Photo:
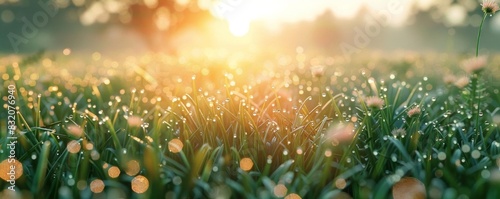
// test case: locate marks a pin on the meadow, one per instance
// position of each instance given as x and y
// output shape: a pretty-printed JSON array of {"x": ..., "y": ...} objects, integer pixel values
[
  {"x": 219, "y": 123},
  {"x": 252, "y": 126}
]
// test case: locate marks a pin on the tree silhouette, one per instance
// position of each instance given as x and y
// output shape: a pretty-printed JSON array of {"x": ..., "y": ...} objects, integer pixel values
[{"x": 158, "y": 24}]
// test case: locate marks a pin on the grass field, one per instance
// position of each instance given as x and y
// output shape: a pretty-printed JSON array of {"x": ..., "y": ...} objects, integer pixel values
[
  {"x": 213, "y": 123},
  {"x": 201, "y": 126}
]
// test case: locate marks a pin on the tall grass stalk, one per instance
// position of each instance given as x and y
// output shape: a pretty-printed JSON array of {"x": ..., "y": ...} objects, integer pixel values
[{"x": 479, "y": 33}]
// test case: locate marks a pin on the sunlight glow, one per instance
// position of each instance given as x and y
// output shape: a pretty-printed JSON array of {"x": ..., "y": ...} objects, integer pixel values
[
  {"x": 279, "y": 11},
  {"x": 239, "y": 28},
  {"x": 132, "y": 168},
  {"x": 162, "y": 18},
  {"x": 97, "y": 186},
  {"x": 5, "y": 166},
  {"x": 140, "y": 184},
  {"x": 246, "y": 164},
  {"x": 239, "y": 14},
  {"x": 175, "y": 145},
  {"x": 151, "y": 3},
  {"x": 280, "y": 190},
  {"x": 293, "y": 196},
  {"x": 73, "y": 146},
  {"x": 114, "y": 172},
  {"x": 456, "y": 15}
]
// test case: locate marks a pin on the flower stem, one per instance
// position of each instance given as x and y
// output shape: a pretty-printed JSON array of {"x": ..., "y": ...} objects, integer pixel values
[
  {"x": 474, "y": 85},
  {"x": 479, "y": 34}
]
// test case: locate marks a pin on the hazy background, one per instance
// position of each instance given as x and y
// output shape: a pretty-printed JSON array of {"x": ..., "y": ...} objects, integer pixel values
[{"x": 134, "y": 26}]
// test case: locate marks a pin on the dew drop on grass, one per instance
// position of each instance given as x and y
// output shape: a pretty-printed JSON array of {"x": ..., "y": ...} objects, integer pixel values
[
  {"x": 475, "y": 154},
  {"x": 328, "y": 153},
  {"x": 65, "y": 191},
  {"x": 485, "y": 174},
  {"x": 441, "y": 156},
  {"x": 177, "y": 180},
  {"x": 94, "y": 155},
  {"x": 466, "y": 148},
  {"x": 394, "y": 157},
  {"x": 71, "y": 182},
  {"x": 496, "y": 144},
  {"x": 299, "y": 151}
]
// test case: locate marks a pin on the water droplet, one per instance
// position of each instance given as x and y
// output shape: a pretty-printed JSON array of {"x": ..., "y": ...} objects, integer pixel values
[
  {"x": 485, "y": 174},
  {"x": 466, "y": 148},
  {"x": 394, "y": 157},
  {"x": 441, "y": 155}
]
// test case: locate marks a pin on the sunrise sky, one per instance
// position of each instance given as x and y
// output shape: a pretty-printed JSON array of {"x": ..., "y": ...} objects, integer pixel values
[
  {"x": 294, "y": 10},
  {"x": 240, "y": 13}
]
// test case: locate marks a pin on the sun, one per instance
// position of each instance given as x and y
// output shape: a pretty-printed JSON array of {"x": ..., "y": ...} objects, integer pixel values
[
  {"x": 239, "y": 14},
  {"x": 239, "y": 28}
]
